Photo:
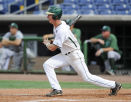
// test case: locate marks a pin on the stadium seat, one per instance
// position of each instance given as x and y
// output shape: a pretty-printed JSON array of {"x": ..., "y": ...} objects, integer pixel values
[
  {"x": 97, "y": 2},
  {"x": 104, "y": 7},
  {"x": 38, "y": 12},
  {"x": 30, "y": 2},
  {"x": 1, "y": 9},
  {"x": 87, "y": 7},
  {"x": 1, "y": 1},
  {"x": 84, "y": 2},
  {"x": 68, "y": 12},
  {"x": 116, "y": 2},
  {"x": 11, "y": 1},
  {"x": 105, "y": 12},
  {"x": 122, "y": 12},
  {"x": 69, "y": 1},
  {"x": 129, "y": 12},
  {"x": 14, "y": 8},
  {"x": 121, "y": 7},
  {"x": 51, "y": 2},
  {"x": 86, "y": 12},
  {"x": 68, "y": 6}
]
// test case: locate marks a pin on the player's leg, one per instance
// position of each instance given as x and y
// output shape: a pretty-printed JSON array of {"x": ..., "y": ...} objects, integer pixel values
[
  {"x": 56, "y": 61},
  {"x": 81, "y": 68},
  {"x": 108, "y": 67},
  {"x": 17, "y": 60},
  {"x": 77, "y": 61},
  {"x": 113, "y": 56},
  {"x": 6, "y": 64}
]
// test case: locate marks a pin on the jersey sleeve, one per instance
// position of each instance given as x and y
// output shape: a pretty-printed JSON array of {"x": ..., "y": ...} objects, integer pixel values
[
  {"x": 60, "y": 37},
  {"x": 6, "y": 36},
  {"x": 19, "y": 35},
  {"x": 98, "y": 36},
  {"x": 114, "y": 43},
  {"x": 77, "y": 32}
]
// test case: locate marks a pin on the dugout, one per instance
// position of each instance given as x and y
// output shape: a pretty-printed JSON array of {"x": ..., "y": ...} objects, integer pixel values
[{"x": 89, "y": 25}]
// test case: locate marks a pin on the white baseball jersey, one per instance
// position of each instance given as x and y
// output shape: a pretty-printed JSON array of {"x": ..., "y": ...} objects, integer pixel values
[
  {"x": 5, "y": 55},
  {"x": 65, "y": 39},
  {"x": 67, "y": 42},
  {"x": 18, "y": 35}
]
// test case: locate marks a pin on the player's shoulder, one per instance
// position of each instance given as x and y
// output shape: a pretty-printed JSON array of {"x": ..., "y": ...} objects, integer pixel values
[
  {"x": 19, "y": 32},
  {"x": 8, "y": 33},
  {"x": 63, "y": 27},
  {"x": 98, "y": 36},
  {"x": 113, "y": 35},
  {"x": 77, "y": 29}
]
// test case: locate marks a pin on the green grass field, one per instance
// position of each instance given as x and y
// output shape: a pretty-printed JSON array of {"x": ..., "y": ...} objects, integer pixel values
[{"x": 9, "y": 84}]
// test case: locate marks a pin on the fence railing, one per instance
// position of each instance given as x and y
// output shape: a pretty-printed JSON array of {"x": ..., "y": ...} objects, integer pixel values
[
  {"x": 85, "y": 51},
  {"x": 26, "y": 39}
]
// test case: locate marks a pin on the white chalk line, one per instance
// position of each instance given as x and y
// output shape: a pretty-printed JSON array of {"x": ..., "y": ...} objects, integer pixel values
[{"x": 77, "y": 100}]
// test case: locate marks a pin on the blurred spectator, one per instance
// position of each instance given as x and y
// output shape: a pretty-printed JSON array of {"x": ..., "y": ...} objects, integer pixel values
[
  {"x": 5, "y": 55},
  {"x": 13, "y": 41},
  {"x": 107, "y": 48}
]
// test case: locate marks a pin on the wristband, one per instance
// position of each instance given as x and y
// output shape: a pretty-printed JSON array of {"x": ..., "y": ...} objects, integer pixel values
[
  {"x": 47, "y": 44},
  {"x": 101, "y": 50},
  {"x": 88, "y": 41}
]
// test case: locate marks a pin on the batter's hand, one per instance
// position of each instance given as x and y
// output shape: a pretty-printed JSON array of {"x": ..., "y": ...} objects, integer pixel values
[
  {"x": 45, "y": 37},
  {"x": 101, "y": 41},
  {"x": 46, "y": 42},
  {"x": 99, "y": 52}
]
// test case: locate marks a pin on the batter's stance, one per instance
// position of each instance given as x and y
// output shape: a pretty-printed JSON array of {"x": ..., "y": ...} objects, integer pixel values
[{"x": 70, "y": 55}]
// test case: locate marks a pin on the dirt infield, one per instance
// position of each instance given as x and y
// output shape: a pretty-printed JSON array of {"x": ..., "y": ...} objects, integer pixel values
[{"x": 70, "y": 95}]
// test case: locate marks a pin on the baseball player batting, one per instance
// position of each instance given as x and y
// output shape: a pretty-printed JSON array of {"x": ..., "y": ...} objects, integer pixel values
[{"x": 70, "y": 55}]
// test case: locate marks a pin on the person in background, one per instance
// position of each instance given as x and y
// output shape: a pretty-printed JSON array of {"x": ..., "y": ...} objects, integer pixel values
[
  {"x": 13, "y": 41},
  {"x": 5, "y": 55},
  {"x": 107, "y": 48}
]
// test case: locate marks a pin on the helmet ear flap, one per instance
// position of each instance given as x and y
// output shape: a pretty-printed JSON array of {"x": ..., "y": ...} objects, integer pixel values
[{"x": 55, "y": 17}]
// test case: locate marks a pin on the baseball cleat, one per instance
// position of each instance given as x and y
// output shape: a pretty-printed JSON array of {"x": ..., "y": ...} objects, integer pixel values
[
  {"x": 110, "y": 72},
  {"x": 115, "y": 90},
  {"x": 54, "y": 92}
]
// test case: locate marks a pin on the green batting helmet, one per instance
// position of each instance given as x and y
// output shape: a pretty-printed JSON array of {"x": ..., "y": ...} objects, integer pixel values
[
  {"x": 55, "y": 11},
  {"x": 106, "y": 28},
  {"x": 14, "y": 25}
]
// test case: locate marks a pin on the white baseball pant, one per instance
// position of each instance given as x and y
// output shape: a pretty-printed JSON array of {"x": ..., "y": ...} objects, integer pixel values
[
  {"x": 76, "y": 60},
  {"x": 111, "y": 54}
]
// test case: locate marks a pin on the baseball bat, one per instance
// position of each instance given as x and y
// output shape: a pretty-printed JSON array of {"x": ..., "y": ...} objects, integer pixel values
[{"x": 74, "y": 20}]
